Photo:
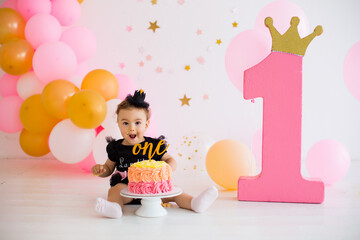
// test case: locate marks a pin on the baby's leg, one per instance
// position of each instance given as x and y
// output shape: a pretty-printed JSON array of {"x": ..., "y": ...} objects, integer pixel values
[
  {"x": 113, "y": 206},
  {"x": 198, "y": 204},
  {"x": 114, "y": 195},
  {"x": 183, "y": 200}
]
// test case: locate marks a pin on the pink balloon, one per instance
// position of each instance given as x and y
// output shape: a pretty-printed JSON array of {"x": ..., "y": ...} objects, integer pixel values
[
  {"x": 152, "y": 130},
  {"x": 81, "y": 40},
  {"x": 66, "y": 11},
  {"x": 9, "y": 4},
  {"x": 282, "y": 11},
  {"x": 29, "y": 8},
  {"x": 328, "y": 160},
  {"x": 8, "y": 85},
  {"x": 245, "y": 50},
  {"x": 126, "y": 86},
  {"x": 54, "y": 60},
  {"x": 351, "y": 70},
  {"x": 42, "y": 28},
  {"x": 10, "y": 112},
  {"x": 256, "y": 146}
]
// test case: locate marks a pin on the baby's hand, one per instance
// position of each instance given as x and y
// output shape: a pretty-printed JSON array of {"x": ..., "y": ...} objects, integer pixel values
[{"x": 98, "y": 169}]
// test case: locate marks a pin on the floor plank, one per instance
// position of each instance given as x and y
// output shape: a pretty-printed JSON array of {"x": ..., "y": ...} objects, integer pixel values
[{"x": 46, "y": 199}]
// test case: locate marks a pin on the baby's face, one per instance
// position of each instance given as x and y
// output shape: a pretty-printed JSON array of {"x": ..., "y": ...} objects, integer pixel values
[{"x": 132, "y": 124}]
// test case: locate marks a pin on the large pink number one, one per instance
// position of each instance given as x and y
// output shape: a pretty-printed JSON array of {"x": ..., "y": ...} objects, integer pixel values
[{"x": 278, "y": 80}]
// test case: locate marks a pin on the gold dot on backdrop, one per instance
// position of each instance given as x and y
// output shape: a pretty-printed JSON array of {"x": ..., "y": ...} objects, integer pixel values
[{"x": 191, "y": 150}]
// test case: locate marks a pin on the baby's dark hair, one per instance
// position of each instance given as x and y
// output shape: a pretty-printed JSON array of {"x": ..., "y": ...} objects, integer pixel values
[{"x": 135, "y": 101}]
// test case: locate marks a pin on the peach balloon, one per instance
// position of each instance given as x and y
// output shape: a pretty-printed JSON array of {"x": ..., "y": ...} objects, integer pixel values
[
  {"x": 12, "y": 25},
  {"x": 16, "y": 56},
  {"x": 56, "y": 95},
  {"x": 227, "y": 160},
  {"x": 34, "y": 117},
  {"x": 87, "y": 109},
  {"x": 102, "y": 81},
  {"x": 34, "y": 144}
]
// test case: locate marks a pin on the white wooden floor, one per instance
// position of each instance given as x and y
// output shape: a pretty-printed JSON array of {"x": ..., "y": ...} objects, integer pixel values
[{"x": 45, "y": 199}]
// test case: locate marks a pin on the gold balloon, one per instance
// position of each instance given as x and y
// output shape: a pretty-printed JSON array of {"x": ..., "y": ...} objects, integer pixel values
[
  {"x": 12, "y": 25},
  {"x": 87, "y": 109},
  {"x": 34, "y": 144},
  {"x": 102, "y": 81},
  {"x": 34, "y": 117},
  {"x": 80, "y": 1},
  {"x": 16, "y": 56},
  {"x": 56, "y": 95}
]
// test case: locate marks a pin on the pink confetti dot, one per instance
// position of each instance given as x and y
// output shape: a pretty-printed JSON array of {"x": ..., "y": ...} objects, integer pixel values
[
  {"x": 159, "y": 70},
  {"x": 129, "y": 28},
  {"x": 201, "y": 60},
  {"x": 122, "y": 65},
  {"x": 141, "y": 64},
  {"x": 148, "y": 57}
]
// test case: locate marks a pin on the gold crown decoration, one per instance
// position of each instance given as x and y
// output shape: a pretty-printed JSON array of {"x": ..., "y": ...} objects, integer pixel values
[{"x": 290, "y": 41}]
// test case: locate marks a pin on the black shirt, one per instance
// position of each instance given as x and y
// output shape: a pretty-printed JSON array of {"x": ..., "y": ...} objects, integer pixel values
[{"x": 123, "y": 155}]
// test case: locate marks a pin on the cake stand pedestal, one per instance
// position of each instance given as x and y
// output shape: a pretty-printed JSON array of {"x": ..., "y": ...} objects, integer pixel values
[{"x": 151, "y": 203}]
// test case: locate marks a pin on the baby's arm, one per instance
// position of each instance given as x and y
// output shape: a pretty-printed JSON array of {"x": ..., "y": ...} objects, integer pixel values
[
  {"x": 104, "y": 170},
  {"x": 169, "y": 160}
]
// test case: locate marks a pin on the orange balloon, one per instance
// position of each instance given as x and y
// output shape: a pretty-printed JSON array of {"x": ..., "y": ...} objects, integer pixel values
[
  {"x": 87, "y": 109},
  {"x": 227, "y": 160},
  {"x": 34, "y": 144},
  {"x": 34, "y": 117},
  {"x": 12, "y": 25},
  {"x": 102, "y": 81},
  {"x": 80, "y": 1},
  {"x": 56, "y": 95},
  {"x": 16, "y": 56}
]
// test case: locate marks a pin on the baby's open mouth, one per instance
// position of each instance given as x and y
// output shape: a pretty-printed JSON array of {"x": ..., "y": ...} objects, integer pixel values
[{"x": 132, "y": 136}]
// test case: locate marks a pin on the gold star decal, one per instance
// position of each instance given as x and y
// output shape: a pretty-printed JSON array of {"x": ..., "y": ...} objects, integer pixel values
[
  {"x": 235, "y": 24},
  {"x": 154, "y": 2},
  {"x": 185, "y": 100},
  {"x": 187, "y": 67},
  {"x": 218, "y": 41},
  {"x": 153, "y": 26}
]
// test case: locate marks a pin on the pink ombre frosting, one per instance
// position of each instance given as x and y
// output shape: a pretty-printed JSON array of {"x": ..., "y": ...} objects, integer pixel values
[
  {"x": 150, "y": 187},
  {"x": 149, "y": 177}
]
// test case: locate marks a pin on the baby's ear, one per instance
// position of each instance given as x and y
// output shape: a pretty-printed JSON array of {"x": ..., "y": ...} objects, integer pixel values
[{"x": 147, "y": 123}]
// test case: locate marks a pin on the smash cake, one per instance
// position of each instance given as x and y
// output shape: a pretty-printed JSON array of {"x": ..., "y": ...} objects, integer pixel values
[{"x": 149, "y": 177}]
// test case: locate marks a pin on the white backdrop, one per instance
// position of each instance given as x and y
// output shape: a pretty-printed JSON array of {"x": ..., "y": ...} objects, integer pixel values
[{"x": 217, "y": 109}]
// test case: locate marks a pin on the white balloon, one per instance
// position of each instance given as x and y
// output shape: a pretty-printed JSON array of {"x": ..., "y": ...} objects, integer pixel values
[
  {"x": 110, "y": 121},
  {"x": 29, "y": 84},
  {"x": 69, "y": 143},
  {"x": 100, "y": 143}
]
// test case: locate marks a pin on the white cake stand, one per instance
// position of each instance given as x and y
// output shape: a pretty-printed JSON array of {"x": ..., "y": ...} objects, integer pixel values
[{"x": 151, "y": 203}]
